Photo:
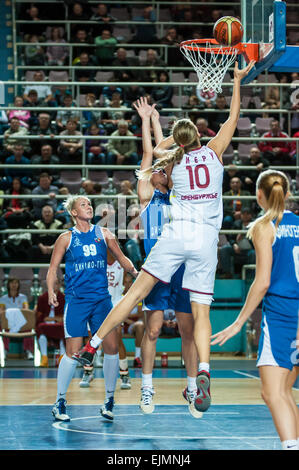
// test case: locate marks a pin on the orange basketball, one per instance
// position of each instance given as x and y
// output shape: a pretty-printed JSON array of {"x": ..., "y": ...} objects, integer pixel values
[{"x": 228, "y": 31}]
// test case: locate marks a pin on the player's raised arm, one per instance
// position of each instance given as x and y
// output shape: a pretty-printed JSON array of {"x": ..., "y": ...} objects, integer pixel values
[
  {"x": 144, "y": 187},
  {"x": 224, "y": 136}
]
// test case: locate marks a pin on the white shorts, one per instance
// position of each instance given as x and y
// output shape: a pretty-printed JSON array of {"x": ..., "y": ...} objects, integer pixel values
[{"x": 189, "y": 243}]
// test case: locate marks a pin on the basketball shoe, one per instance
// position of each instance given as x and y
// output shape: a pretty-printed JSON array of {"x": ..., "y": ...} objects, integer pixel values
[
  {"x": 107, "y": 409},
  {"x": 88, "y": 376},
  {"x": 146, "y": 402},
  {"x": 59, "y": 411},
  {"x": 86, "y": 355},
  {"x": 203, "y": 399},
  {"x": 137, "y": 362},
  {"x": 190, "y": 398},
  {"x": 125, "y": 379}
]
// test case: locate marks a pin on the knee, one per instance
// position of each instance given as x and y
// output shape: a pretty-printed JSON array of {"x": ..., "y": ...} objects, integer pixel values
[{"x": 153, "y": 333}]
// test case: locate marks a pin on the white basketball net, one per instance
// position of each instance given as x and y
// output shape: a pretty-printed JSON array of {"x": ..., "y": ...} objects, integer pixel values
[{"x": 210, "y": 65}]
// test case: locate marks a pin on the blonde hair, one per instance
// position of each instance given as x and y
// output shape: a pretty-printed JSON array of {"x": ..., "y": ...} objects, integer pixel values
[
  {"x": 275, "y": 186},
  {"x": 185, "y": 136},
  {"x": 70, "y": 202}
]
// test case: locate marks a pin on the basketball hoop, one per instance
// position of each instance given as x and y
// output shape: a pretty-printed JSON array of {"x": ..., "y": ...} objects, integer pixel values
[{"x": 211, "y": 60}]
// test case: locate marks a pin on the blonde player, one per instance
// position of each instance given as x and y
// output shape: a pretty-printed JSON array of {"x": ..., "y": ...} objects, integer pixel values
[{"x": 195, "y": 174}]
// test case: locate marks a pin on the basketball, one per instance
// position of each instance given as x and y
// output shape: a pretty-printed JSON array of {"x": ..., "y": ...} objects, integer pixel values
[{"x": 228, "y": 31}]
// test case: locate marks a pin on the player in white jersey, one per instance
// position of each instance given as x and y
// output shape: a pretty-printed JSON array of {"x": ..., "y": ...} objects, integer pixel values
[
  {"x": 188, "y": 238},
  {"x": 275, "y": 236}
]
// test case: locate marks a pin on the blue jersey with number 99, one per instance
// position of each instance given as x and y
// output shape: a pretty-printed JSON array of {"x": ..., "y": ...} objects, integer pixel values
[{"x": 86, "y": 264}]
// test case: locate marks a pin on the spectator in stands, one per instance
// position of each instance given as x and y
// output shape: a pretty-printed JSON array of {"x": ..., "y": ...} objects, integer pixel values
[
  {"x": 203, "y": 129},
  {"x": 131, "y": 94},
  {"x": 49, "y": 323},
  {"x": 173, "y": 40},
  {"x": 232, "y": 207},
  {"x": 186, "y": 31},
  {"x": 16, "y": 211},
  {"x": 14, "y": 299},
  {"x": 104, "y": 20},
  {"x": 43, "y": 243},
  {"x": 195, "y": 106},
  {"x": 109, "y": 90},
  {"x": 294, "y": 147},
  {"x": 43, "y": 128},
  {"x": 239, "y": 250},
  {"x": 34, "y": 27},
  {"x": 122, "y": 60},
  {"x": 57, "y": 54},
  {"x": 79, "y": 14},
  {"x": 105, "y": 47},
  {"x": 46, "y": 157},
  {"x": 18, "y": 158},
  {"x": 95, "y": 150},
  {"x": 293, "y": 101},
  {"x": 84, "y": 74},
  {"x": 84, "y": 38},
  {"x": 152, "y": 60},
  {"x": 91, "y": 116},
  {"x": 259, "y": 164},
  {"x": 9, "y": 140},
  {"x": 70, "y": 148},
  {"x": 145, "y": 33},
  {"x": 34, "y": 54},
  {"x": 162, "y": 95},
  {"x": 111, "y": 117},
  {"x": 216, "y": 119},
  {"x": 69, "y": 113},
  {"x": 44, "y": 91},
  {"x": 277, "y": 152},
  {"x": 44, "y": 188},
  {"x": 61, "y": 213},
  {"x": 122, "y": 151},
  {"x": 170, "y": 325},
  {"x": 32, "y": 101},
  {"x": 22, "y": 114},
  {"x": 121, "y": 202}
]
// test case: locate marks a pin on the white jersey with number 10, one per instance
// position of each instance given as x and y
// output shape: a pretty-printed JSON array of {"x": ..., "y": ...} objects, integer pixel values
[{"x": 197, "y": 196}]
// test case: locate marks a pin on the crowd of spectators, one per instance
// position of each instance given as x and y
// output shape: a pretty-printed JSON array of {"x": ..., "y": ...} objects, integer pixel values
[{"x": 70, "y": 137}]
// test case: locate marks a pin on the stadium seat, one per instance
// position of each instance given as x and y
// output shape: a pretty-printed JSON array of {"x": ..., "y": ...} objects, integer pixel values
[
  {"x": 244, "y": 149},
  {"x": 262, "y": 125},
  {"x": 103, "y": 76},
  {"x": 192, "y": 77},
  {"x": 244, "y": 127},
  {"x": 122, "y": 34},
  {"x": 122, "y": 175},
  {"x": 228, "y": 155},
  {"x": 179, "y": 101},
  {"x": 121, "y": 14},
  {"x": 72, "y": 179},
  {"x": 100, "y": 177}
]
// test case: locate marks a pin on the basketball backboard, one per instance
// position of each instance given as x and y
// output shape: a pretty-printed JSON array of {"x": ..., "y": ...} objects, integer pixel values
[{"x": 264, "y": 22}]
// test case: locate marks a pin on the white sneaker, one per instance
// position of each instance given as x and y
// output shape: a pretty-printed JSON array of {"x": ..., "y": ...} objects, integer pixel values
[
  {"x": 59, "y": 411},
  {"x": 88, "y": 376},
  {"x": 190, "y": 396},
  {"x": 125, "y": 382},
  {"x": 98, "y": 360},
  {"x": 146, "y": 402},
  {"x": 29, "y": 355}
]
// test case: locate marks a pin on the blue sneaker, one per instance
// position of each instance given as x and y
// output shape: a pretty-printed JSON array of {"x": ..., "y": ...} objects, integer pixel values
[
  {"x": 106, "y": 410},
  {"x": 59, "y": 411}
]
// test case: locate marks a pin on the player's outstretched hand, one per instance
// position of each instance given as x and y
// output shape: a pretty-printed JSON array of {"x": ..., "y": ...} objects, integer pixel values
[
  {"x": 222, "y": 336},
  {"x": 240, "y": 74},
  {"x": 143, "y": 108}
]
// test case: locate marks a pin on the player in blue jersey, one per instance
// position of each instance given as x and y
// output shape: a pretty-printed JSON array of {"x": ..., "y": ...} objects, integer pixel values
[
  {"x": 87, "y": 299},
  {"x": 275, "y": 236},
  {"x": 154, "y": 200}
]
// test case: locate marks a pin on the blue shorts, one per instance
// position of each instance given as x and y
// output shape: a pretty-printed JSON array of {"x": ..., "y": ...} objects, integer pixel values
[
  {"x": 80, "y": 312},
  {"x": 164, "y": 296},
  {"x": 277, "y": 345}
]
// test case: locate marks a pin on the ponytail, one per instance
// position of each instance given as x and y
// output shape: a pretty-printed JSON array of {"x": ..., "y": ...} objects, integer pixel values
[
  {"x": 275, "y": 186},
  {"x": 173, "y": 156},
  {"x": 185, "y": 136}
]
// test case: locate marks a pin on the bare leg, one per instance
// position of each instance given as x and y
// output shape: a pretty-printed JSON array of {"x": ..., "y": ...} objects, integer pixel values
[
  {"x": 154, "y": 321},
  {"x": 121, "y": 347},
  {"x": 137, "y": 292},
  {"x": 202, "y": 330},
  {"x": 189, "y": 352},
  {"x": 275, "y": 383},
  {"x": 290, "y": 383}
]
